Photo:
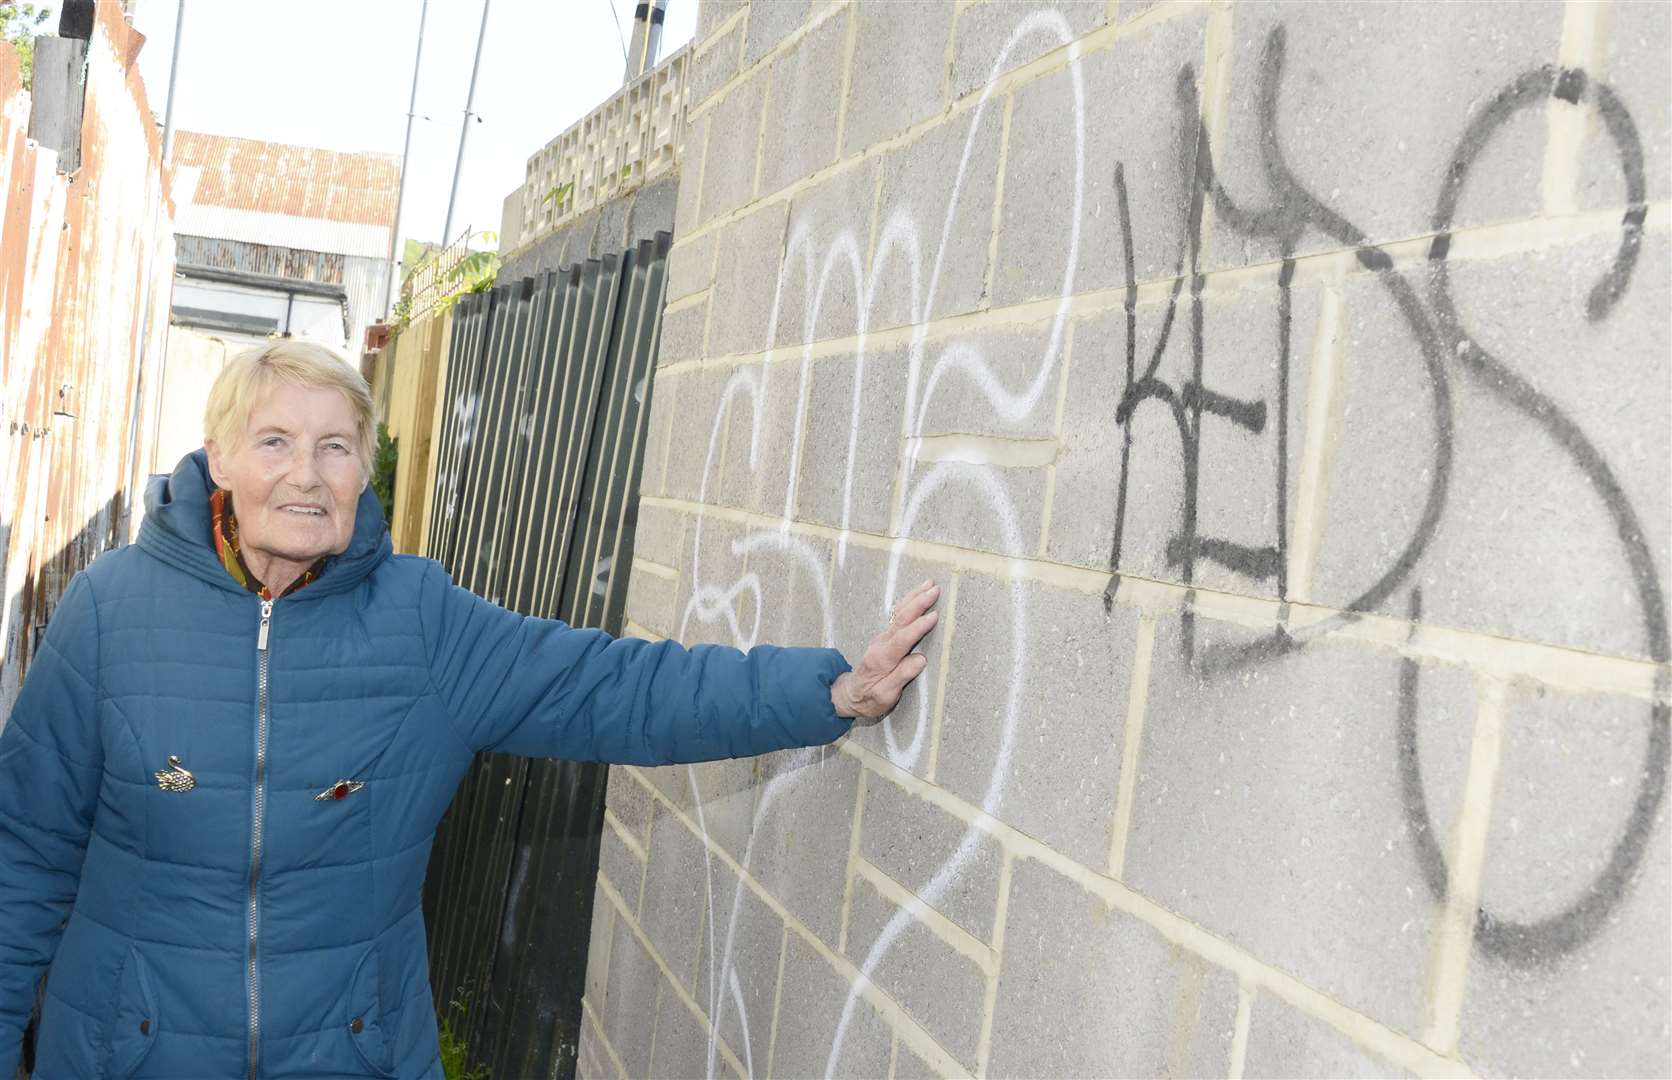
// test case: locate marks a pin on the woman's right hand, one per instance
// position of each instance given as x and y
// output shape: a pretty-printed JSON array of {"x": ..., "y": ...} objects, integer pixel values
[{"x": 872, "y": 689}]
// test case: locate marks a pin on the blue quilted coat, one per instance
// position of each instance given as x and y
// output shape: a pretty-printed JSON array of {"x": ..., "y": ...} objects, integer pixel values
[{"x": 174, "y": 836}]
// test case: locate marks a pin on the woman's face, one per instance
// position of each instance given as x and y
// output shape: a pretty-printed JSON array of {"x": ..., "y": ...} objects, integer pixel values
[{"x": 295, "y": 476}]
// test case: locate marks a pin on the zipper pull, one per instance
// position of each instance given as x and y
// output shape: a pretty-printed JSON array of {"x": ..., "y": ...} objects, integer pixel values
[{"x": 266, "y": 617}]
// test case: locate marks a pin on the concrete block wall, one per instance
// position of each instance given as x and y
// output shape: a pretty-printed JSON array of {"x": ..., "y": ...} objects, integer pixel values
[{"x": 1282, "y": 395}]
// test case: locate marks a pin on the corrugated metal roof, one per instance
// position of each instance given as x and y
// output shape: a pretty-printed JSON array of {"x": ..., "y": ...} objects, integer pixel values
[
  {"x": 367, "y": 283},
  {"x": 281, "y": 230},
  {"x": 295, "y": 181}
]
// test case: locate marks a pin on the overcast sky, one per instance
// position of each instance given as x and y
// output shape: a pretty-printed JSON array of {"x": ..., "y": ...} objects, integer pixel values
[{"x": 337, "y": 74}]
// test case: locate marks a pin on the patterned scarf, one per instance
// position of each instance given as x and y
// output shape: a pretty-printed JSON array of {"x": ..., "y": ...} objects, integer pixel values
[{"x": 225, "y": 529}]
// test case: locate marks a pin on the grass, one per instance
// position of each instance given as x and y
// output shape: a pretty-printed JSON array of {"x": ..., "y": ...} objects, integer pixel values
[{"x": 455, "y": 1052}]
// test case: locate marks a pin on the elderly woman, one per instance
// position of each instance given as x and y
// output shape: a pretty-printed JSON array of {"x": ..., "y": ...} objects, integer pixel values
[{"x": 220, "y": 783}]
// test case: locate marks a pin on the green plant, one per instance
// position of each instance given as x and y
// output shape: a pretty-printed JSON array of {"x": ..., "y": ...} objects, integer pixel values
[
  {"x": 455, "y": 1053},
  {"x": 383, "y": 471},
  {"x": 473, "y": 274},
  {"x": 558, "y": 195},
  {"x": 18, "y": 24}
]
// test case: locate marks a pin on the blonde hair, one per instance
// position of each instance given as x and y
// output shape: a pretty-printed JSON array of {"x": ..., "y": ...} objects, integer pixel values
[{"x": 249, "y": 375}]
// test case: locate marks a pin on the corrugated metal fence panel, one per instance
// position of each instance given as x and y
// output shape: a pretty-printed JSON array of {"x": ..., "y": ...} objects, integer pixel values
[
  {"x": 86, "y": 262},
  {"x": 535, "y": 500}
]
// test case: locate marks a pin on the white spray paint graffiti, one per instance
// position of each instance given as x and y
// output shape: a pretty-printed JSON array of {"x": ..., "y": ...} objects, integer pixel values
[
  {"x": 465, "y": 408},
  {"x": 711, "y": 602}
]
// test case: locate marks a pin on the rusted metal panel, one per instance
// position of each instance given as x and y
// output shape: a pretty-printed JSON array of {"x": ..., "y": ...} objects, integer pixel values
[
  {"x": 86, "y": 260},
  {"x": 298, "y": 181},
  {"x": 271, "y": 260}
]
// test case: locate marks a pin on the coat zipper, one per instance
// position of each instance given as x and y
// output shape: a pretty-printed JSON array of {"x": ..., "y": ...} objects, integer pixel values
[{"x": 258, "y": 811}]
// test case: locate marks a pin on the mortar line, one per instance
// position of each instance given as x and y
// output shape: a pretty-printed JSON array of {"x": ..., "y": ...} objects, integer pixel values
[
  {"x": 725, "y": 27},
  {"x": 1454, "y": 936},
  {"x": 655, "y": 569},
  {"x": 777, "y": 999},
  {"x": 646, "y": 786},
  {"x": 951, "y": 935},
  {"x": 871, "y": 223},
  {"x": 847, "y": 83},
  {"x": 1056, "y": 432},
  {"x": 1157, "y": 14},
  {"x": 634, "y": 630},
  {"x": 853, "y": 861},
  {"x": 609, "y": 943},
  {"x": 1333, "y": 266},
  {"x": 1239, "y": 1035},
  {"x": 1070, "y": 336},
  {"x": 644, "y": 870},
  {"x": 627, "y": 837},
  {"x": 1371, "y": 1034},
  {"x": 997, "y": 450},
  {"x": 636, "y": 774},
  {"x": 937, "y": 708},
  {"x": 667, "y": 441},
  {"x": 689, "y": 300},
  {"x": 609, "y": 949},
  {"x": 1215, "y": 102},
  {"x": 1137, "y": 703},
  {"x": 902, "y": 458},
  {"x": 1567, "y": 124},
  {"x": 1563, "y": 667},
  {"x": 598, "y": 1031},
  {"x": 946, "y": 100},
  {"x": 655, "y": 1021},
  {"x": 1003, "y": 166},
  {"x": 702, "y": 173},
  {"x": 1323, "y": 413},
  {"x": 989, "y": 1005},
  {"x": 717, "y": 474},
  {"x": 804, "y": 417},
  {"x": 760, "y": 140},
  {"x": 1045, "y": 516},
  {"x": 667, "y": 977},
  {"x": 713, "y": 254}
]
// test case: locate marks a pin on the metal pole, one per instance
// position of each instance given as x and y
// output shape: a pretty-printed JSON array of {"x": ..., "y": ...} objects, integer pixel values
[
  {"x": 125, "y": 526},
  {"x": 653, "y": 43},
  {"x": 173, "y": 70},
  {"x": 635, "y": 51},
  {"x": 464, "y": 133},
  {"x": 406, "y": 148}
]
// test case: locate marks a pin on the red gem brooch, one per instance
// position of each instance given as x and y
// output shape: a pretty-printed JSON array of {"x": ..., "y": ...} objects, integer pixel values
[{"x": 342, "y": 789}]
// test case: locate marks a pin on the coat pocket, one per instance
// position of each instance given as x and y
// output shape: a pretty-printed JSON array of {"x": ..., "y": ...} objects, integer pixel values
[
  {"x": 371, "y": 1032},
  {"x": 133, "y": 1025}
]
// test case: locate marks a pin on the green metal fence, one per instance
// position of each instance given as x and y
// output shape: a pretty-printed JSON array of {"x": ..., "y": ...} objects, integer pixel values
[{"x": 547, "y": 397}]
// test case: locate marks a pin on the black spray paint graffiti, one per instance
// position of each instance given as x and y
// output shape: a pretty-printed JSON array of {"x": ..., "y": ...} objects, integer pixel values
[{"x": 1442, "y": 339}]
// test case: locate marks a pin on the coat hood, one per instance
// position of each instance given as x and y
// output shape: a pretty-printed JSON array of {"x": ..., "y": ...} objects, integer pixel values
[{"x": 177, "y": 530}]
